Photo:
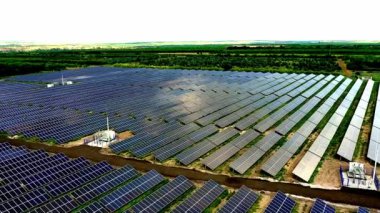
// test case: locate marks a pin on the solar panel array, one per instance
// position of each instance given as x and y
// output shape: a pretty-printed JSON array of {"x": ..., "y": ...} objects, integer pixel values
[
  {"x": 201, "y": 199},
  {"x": 278, "y": 160},
  {"x": 98, "y": 187},
  {"x": 280, "y": 203},
  {"x": 66, "y": 113},
  {"x": 363, "y": 210},
  {"x": 374, "y": 142},
  {"x": 320, "y": 206},
  {"x": 189, "y": 115},
  {"x": 241, "y": 201},
  {"x": 78, "y": 185},
  {"x": 313, "y": 156},
  {"x": 348, "y": 144},
  {"x": 164, "y": 196}
]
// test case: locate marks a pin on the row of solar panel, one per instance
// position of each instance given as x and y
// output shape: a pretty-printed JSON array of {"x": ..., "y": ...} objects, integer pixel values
[
  {"x": 100, "y": 188},
  {"x": 306, "y": 167},
  {"x": 257, "y": 151},
  {"x": 78, "y": 185},
  {"x": 278, "y": 160},
  {"x": 81, "y": 104},
  {"x": 228, "y": 150},
  {"x": 348, "y": 144},
  {"x": 374, "y": 143},
  {"x": 174, "y": 148}
]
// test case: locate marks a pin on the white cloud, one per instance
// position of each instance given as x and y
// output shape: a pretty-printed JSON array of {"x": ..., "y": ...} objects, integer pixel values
[{"x": 172, "y": 20}]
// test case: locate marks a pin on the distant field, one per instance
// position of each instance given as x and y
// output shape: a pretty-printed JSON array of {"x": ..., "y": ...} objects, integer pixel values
[{"x": 302, "y": 57}]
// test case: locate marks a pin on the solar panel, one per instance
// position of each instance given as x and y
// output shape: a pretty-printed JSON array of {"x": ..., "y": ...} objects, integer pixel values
[
  {"x": 319, "y": 146},
  {"x": 223, "y": 136},
  {"x": 167, "y": 194},
  {"x": 321, "y": 206},
  {"x": 94, "y": 207},
  {"x": 329, "y": 131},
  {"x": 244, "y": 139},
  {"x": 294, "y": 143},
  {"x": 347, "y": 147},
  {"x": 75, "y": 180},
  {"x": 190, "y": 155},
  {"x": 201, "y": 199},
  {"x": 150, "y": 145},
  {"x": 246, "y": 160},
  {"x": 241, "y": 201},
  {"x": 171, "y": 149},
  {"x": 276, "y": 162},
  {"x": 209, "y": 119},
  {"x": 21, "y": 160},
  {"x": 362, "y": 210},
  {"x": 25, "y": 201},
  {"x": 268, "y": 141},
  {"x": 220, "y": 156},
  {"x": 125, "y": 194},
  {"x": 32, "y": 168},
  {"x": 54, "y": 173},
  {"x": 103, "y": 184},
  {"x": 305, "y": 167},
  {"x": 280, "y": 203},
  {"x": 375, "y": 133},
  {"x": 61, "y": 204},
  {"x": 306, "y": 129},
  {"x": 202, "y": 133}
]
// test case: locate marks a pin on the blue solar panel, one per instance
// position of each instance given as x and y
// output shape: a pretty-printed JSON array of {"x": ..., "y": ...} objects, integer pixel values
[
  {"x": 54, "y": 173},
  {"x": 61, "y": 204},
  {"x": 280, "y": 203},
  {"x": 363, "y": 210},
  {"x": 201, "y": 199},
  {"x": 21, "y": 160},
  {"x": 240, "y": 202},
  {"x": 125, "y": 194},
  {"x": 75, "y": 180},
  {"x": 12, "y": 153},
  {"x": 33, "y": 167},
  {"x": 167, "y": 194},
  {"x": 104, "y": 184},
  {"x": 94, "y": 208},
  {"x": 25, "y": 201},
  {"x": 321, "y": 206}
]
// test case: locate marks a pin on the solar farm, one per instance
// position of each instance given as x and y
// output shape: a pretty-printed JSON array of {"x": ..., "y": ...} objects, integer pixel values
[
  {"x": 37, "y": 181},
  {"x": 292, "y": 127}
]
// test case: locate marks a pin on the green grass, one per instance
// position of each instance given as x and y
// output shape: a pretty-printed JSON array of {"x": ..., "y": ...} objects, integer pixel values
[{"x": 375, "y": 75}]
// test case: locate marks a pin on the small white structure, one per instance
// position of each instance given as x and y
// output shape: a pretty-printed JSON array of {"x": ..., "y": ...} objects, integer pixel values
[
  {"x": 63, "y": 82},
  {"x": 357, "y": 177},
  {"x": 103, "y": 138}
]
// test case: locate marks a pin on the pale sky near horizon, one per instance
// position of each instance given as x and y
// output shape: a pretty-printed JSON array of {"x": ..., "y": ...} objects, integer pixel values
[{"x": 97, "y": 21}]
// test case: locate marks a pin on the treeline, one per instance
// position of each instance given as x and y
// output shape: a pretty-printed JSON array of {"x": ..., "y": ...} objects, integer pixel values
[{"x": 288, "y": 58}]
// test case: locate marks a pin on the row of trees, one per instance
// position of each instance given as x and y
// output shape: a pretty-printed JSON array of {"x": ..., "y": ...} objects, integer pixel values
[{"x": 14, "y": 63}]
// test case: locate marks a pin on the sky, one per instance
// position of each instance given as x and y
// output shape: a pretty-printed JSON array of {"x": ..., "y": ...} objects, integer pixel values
[{"x": 115, "y": 21}]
